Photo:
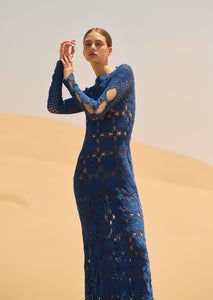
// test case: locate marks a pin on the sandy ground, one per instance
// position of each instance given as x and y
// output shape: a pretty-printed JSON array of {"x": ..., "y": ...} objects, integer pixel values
[{"x": 41, "y": 253}]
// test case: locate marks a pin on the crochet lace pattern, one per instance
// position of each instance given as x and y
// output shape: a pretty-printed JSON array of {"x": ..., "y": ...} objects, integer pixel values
[{"x": 116, "y": 260}]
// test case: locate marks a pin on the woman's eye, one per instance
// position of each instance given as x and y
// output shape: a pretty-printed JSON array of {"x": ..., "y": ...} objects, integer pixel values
[{"x": 89, "y": 44}]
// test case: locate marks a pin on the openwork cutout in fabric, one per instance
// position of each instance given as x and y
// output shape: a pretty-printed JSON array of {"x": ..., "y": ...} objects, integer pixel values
[
  {"x": 110, "y": 95},
  {"x": 116, "y": 260},
  {"x": 117, "y": 89}
]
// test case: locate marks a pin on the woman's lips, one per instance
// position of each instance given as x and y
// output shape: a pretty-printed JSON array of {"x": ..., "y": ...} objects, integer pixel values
[{"x": 92, "y": 54}]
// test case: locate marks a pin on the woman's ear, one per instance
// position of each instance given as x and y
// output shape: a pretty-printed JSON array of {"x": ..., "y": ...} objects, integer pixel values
[{"x": 110, "y": 50}]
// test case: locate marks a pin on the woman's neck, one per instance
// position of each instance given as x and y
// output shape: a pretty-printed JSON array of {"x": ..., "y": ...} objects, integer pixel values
[{"x": 101, "y": 69}]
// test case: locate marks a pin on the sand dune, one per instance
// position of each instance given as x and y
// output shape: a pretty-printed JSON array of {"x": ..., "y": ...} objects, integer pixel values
[{"x": 41, "y": 254}]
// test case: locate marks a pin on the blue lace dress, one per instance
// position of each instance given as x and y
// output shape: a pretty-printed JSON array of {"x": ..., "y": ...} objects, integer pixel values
[{"x": 116, "y": 261}]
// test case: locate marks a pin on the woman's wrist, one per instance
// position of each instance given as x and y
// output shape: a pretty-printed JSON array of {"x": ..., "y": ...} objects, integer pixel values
[{"x": 67, "y": 75}]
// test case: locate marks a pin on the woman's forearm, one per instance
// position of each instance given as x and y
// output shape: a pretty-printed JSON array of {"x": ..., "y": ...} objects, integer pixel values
[{"x": 55, "y": 102}]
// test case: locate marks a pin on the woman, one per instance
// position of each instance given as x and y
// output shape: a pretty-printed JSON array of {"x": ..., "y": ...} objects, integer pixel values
[{"x": 116, "y": 260}]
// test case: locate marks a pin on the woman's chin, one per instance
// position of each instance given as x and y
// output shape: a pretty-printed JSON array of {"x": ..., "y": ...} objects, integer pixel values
[{"x": 93, "y": 59}]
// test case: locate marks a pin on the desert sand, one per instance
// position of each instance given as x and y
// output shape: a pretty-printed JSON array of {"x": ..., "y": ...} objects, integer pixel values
[{"x": 41, "y": 253}]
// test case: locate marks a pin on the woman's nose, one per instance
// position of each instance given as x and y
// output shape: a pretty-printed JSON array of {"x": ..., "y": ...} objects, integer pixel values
[{"x": 93, "y": 46}]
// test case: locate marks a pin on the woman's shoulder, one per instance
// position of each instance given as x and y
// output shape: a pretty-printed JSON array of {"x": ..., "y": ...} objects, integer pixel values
[
  {"x": 125, "y": 65},
  {"x": 124, "y": 71},
  {"x": 124, "y": 68}
]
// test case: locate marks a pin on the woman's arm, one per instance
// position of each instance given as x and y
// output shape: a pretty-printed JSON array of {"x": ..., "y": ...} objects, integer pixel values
[
  {"x": 55, "y": 102},
  {"x": 119, "y": 86}
]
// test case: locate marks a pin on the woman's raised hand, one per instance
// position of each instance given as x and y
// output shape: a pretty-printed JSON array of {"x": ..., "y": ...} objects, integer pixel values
[{"x": 67, "y": 51}]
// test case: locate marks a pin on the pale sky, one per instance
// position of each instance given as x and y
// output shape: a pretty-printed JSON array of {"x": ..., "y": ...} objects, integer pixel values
[{"x": 169, "y": 45}]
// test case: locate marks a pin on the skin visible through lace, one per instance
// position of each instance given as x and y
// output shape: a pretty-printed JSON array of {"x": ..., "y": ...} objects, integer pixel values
[
  {"x": 118, "y": 268},
  {"x": 111, "y": 94}
]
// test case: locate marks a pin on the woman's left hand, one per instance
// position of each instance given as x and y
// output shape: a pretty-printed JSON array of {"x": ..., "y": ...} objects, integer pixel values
[{"x": 67, "y": 59}]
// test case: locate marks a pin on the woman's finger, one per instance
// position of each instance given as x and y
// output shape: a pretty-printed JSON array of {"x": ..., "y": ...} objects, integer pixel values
[
  {"x": 63, "y": 61},
  {"x": 66, "y": 49},
  {"x": 68, "y": 45},
  {"x": 68, "y": 41},
  {"x": 65, "y": 58},
  {"x": 65, "y": 46},
  {"x": 73, "y": 50},
  {"x": 70, "y": 59},
  {"x": 69, "y": 49}
]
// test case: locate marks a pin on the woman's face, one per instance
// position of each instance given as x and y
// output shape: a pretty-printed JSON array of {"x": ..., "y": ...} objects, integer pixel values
[{"x": 95, "y": 48}]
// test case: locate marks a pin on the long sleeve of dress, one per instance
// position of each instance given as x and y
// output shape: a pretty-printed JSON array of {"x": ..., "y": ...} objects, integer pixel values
[
  {"x": 119, "y": 86},
  {"x": 55, "y": 102}
]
